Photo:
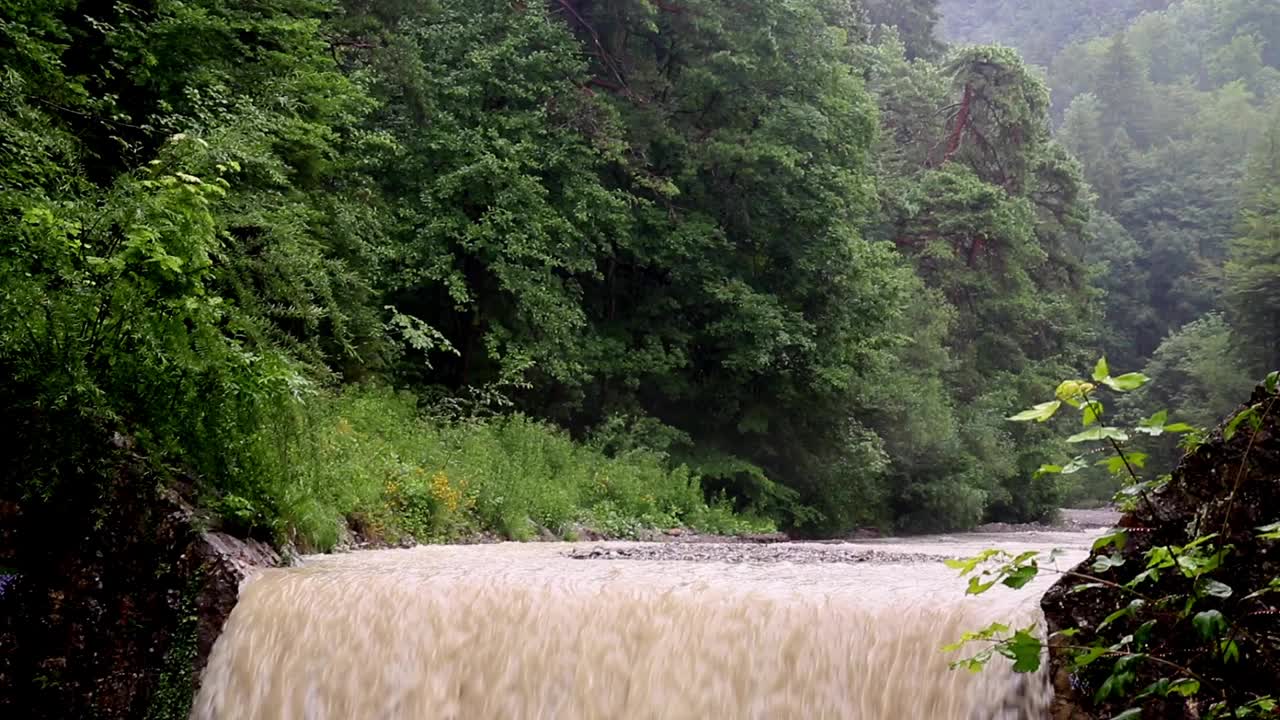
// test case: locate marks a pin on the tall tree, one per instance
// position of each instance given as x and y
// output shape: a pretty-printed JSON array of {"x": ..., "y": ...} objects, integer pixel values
[{"x": 1253, "y": 270}]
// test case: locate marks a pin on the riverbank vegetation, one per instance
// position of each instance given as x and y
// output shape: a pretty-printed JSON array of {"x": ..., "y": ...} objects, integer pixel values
[{"x": 471, "y": 266}]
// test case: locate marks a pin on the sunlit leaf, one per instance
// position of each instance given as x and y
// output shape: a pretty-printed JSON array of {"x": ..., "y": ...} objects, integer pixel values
[
  {"x": 1039, "y": 413},
  {"x": 1126, "y": 382},
  {"x": 1154, "y": 425},
  {"x": 1091, "y": 413},
  {"x": 1099, "y": 433},
  {"x": 1101, "y": 371}
]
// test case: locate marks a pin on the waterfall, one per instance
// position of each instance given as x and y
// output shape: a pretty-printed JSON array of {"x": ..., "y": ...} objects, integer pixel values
[{"x": 527, "y": 631}]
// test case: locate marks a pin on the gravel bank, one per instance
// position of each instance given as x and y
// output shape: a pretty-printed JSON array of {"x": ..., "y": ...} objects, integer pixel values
[{"x": 750, "y": 553}]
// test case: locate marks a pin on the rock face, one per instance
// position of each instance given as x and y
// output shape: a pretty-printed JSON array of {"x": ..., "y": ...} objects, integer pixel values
[
  {"x": 114, "y": 598},
  {"x": 1226, "y": 486}
]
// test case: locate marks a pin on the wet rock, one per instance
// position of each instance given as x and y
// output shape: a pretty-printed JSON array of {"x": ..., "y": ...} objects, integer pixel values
[
  {"x": 117, "y": 596},
  {"x": 1227, "y": 486}
]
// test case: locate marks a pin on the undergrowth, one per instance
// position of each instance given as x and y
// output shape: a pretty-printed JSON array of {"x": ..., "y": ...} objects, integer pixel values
[{"x": 374, "y": 459}]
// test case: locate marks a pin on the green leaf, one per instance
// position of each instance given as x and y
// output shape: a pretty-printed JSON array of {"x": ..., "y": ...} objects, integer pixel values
[
  {"x": 1178, "y": 427},
  {"x": 1130, "y": 714},
  {"x": 977, "y": 587},
  {"x": 1116, "y": 538},
  {"x": 1021, "y": 576},
  {"x": 1209, "y": 624},
  {"x": 1091, "y": 413},
  {"x": 1126, "y": 611},
  {"x": 1048, "y": 470},
  {"x": 1073, "y": 392},
  {"x": 1213, "y": 588},
  {"x": 1087, "y": 657},
  {"x": 1185, "y": 687},
  {"x": 1100, "y": 371},
  {"x": 1230, "y": 651},
  {"x": 1126, "y": 382},
  {"x": 1106, "y": 562},
  {"x": 1039, "y": 413},
  {"x": 1077, "y": 464},
  {"x": 1086, "y": 586},
  {"x": 1117, "y": 465},
  {"x": 1272, "y": 383},
  {"x": 1154, "y": 425},
  {"x": 1250, "y": 414},
  {"x": 1025, "y": 651},
  {"x": 1099, "y": 433},
  {"x": 1269, "y": 532}
]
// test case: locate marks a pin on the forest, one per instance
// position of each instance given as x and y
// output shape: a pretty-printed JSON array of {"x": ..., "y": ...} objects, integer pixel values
[{"x": 462, "y": 266}]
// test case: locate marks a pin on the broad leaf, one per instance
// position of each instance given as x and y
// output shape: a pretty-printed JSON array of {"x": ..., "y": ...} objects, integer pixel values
[
  {"x": 1272, "y": 383},
  {"x": 1021, "y": 576},
  {"x": 1269, "y": 532},
  {"x": 1091, "y": 413},
  {"x": 1185, "y": 687},
  {"x": 1024, "y": 650},
  {"x": 1106, "y": 562},
  {"x": 1039, "y": 413},
  {"x": 1209, "y": 624},
  {"x": 1100, "y": 371},
  {"x": 1213, "y": 588},
  {"x": 1126, "y": 382},
  {"x": 1099, "y": 433},
  {"x": 1116, "y": 538},
  {"x": 1250, "y": 414},
  {"x": 1131, "y": 714},
  {"x": 1077, "y": 464},
  {"x": 1154, "y": 425},
  {"x": 1087, "y": 657}
]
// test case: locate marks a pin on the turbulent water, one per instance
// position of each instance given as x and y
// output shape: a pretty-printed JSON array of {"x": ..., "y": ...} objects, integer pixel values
[{"x": 528, "y": 631}]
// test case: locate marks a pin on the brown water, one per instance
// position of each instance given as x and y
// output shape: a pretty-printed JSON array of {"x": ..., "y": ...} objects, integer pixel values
[{"x": 523, "y": 631}]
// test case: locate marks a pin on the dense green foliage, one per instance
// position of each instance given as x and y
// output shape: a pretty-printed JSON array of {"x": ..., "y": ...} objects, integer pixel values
[
  {"x": 1037, "y": 28},
  {"x": 795, "y": 254},
  {"x": 1163, "y": 618},
  {"x": 1169, "y": 108}
]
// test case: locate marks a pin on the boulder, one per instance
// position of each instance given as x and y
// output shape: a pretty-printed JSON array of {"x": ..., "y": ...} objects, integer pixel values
[
  {"x": 1229, "y": 486},
  {"x": 115, "y": 595}
]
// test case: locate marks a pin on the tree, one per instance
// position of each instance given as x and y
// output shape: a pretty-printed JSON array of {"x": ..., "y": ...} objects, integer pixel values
[
  {"x": 1253, "y": 268},
  {"x": 916, "y": 22}
]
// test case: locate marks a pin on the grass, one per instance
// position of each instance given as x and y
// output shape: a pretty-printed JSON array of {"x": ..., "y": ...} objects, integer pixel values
[{"x": 372, "y": 456}]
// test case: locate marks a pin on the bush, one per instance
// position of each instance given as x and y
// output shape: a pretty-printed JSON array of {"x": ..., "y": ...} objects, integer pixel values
[{"x": 373, "y": 455}]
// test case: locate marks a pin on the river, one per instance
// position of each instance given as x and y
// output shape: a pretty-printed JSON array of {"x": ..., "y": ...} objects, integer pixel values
[{"x": 625, "y": 630}]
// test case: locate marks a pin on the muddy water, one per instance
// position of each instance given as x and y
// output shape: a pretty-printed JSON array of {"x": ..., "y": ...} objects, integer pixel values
[{"x": 527, "y": 631}]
